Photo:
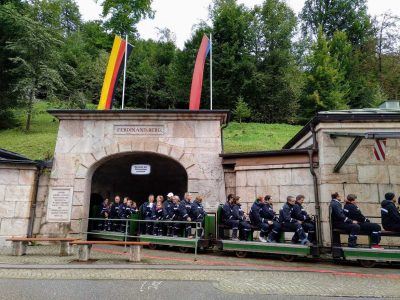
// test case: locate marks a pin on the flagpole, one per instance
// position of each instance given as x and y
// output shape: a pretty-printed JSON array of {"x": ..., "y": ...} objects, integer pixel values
[
  {"x": 211, "y": 90},
  {"x": 123, "y": 84}
]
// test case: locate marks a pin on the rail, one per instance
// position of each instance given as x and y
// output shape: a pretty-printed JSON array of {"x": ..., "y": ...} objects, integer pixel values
[{"x": 125, "y": 234}]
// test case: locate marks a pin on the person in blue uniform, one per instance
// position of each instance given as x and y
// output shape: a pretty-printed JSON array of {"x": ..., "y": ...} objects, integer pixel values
[
  {"x": 148, "y": 213},
  {"x": 340, "y": 221},
  {"x": 290, "y": 224},
  {"x": 180, "y": 214},
  {"x": 116, "y": 213},
  {"x": 105, "y": 213},
  {"x": 244, "y": 225},
  {"x": 168, "y": 213},
  {"x": 197, "y": 214},
  {"x": 300, "y": 214},
  {"x": 261, "y": 217},
  {"x": 228, "y": 217},
  {"x": 389, "y": 213},
  {"x": 186, "y": 204},
  {"x": 159, "y": 215},
  {"x": 269, "y": 214},
  {"x": 352, "y": 211}
]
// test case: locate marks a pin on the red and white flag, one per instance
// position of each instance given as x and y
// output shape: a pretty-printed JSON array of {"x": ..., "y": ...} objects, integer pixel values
[{"x": 380, "y": 149}]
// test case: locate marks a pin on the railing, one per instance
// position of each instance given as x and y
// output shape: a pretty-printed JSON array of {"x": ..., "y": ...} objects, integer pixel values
[{"x": 94, "y": 222}]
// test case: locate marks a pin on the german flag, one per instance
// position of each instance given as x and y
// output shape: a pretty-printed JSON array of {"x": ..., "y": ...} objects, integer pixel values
[{"x": 114, "y": 68}]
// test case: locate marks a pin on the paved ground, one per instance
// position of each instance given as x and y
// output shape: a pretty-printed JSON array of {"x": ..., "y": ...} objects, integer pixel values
[
  {"x": 90, "y": 289},
  {"x": 167, "y": 274}
]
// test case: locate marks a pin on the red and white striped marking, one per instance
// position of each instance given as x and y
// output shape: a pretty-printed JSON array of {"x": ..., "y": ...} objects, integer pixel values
[{"x": 380, "y": 149}]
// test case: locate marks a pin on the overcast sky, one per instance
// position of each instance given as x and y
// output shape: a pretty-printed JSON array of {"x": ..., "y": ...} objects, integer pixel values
[{"x": 180, "y": 15}]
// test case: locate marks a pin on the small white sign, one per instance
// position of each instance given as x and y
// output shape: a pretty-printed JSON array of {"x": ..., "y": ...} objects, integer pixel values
[
  {"x": 59, "y": 205},
  {"x": 140, "y": 169}
]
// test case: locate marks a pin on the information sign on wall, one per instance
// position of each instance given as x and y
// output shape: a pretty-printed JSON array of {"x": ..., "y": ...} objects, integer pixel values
[{"x": 59, "y": 205}]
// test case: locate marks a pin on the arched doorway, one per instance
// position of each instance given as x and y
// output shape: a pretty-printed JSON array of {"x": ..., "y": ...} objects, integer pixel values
[{"x": 115, "y": 177}]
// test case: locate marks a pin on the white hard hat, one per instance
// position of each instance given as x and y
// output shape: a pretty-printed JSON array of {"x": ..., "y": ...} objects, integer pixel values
[{"x": 170, "y": 195}]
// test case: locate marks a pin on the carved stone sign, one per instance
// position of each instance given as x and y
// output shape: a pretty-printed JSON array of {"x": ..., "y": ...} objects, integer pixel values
[
  {"x": 139, "y": 129},
  {"x": 60, "y": 204}
]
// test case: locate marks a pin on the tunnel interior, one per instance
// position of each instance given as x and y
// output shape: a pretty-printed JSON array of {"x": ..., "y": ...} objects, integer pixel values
[{"x": 114, "y": 177}]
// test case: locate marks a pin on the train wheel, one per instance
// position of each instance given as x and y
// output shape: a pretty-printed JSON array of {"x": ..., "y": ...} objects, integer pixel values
[
  {"x": 152, "y": 246},
  {"x": 183, "y": 249},
  {"x": 367, "y": 263},
  {"x": 288, "y": 258},
  {"x": 241, "y": 254}
]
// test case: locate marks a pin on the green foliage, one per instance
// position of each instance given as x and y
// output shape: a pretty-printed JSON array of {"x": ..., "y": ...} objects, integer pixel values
[
  {"x": 242, "y": 110},
  {"x": 243, "y": 137},
  {"x": 326, "y": 87},
  {"x": 349, "y": 16},
  {"x": 123, "y": 15}
]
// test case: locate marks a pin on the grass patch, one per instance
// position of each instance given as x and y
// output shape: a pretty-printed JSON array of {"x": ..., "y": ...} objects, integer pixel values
[
  {"x": 247, "y": 137},
  {"x": 39, "y": 142}
]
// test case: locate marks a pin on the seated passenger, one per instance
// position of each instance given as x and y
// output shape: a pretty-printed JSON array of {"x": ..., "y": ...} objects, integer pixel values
[
  {"x": 290, "y": 224},
  {"x": 244, "y": 225},
  {"x": 159, "y": 215},
  {"x": 340, "y": 221},
  {"x": 228, "y": 217},
  {"x": 105, "y": 213},
  {"x": 389, "y": 213},
  {"x": 300, "y": 214},
  {"x": 197, "y": 214},
  {"x": 168, "y": 212},
  {"x": 352, "y": 211},
  {"x": 148, "y": 213},
  {"x": 262, "y": 217},
  {"x": 269, "y": 214}
]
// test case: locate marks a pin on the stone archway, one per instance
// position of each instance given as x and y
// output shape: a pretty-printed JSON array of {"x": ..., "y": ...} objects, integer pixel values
[{"x": 114, "y": 177}]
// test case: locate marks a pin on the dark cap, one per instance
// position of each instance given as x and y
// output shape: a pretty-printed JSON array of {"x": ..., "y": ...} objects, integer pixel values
[{"x": 351, "y": 197}]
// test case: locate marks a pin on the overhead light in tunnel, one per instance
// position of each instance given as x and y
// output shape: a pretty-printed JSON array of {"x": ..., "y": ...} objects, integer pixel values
[{"x": 140, "y": 169}]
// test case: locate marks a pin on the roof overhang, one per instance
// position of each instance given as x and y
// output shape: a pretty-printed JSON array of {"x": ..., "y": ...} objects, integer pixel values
[
  {"x": 142, "y": 114},
  {"x": 356, "y": 116}
]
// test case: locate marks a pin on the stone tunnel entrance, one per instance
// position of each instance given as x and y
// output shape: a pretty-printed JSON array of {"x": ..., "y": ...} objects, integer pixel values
[{"x": 126, "y": 175}]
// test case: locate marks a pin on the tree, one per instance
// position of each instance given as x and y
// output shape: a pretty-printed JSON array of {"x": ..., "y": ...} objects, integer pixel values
[
  {"x": 349, "y": 16},
  {"x": 123, "y": 15},
  {"x": 242, "y": 110},
  {"x": 34, "y": 62},
  {"x": 326, "y": 87}
]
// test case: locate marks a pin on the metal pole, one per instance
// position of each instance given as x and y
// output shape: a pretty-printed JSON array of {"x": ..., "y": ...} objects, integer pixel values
[
  {"x": 123, "y": 84},
  {"x": 211, "y": 90}
]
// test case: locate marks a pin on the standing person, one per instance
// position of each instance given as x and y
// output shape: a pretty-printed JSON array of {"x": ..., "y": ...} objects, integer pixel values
[
  {"x": 116, "y": 213},
  {"x": 197, "y": 214},
  {"x": 180, "y": 214},
  {"x": 300, "y": 214},
  {"x": 168, "y": 212},
  {"x": 389, "y": 213},
  {"x": 186, "y": 204},
  {"x": 228, "y": 217},
  {"x": 244, "y": 225},
  {"x": 263, "y": 218},
  {"x": 159, "y": 215},
  {"x": 105, "y": 213},
  {"x": 352, "y": 211},
  {"x": 290, "y": 224},
  {"x": 148, "y": 213},
  {"x": 340, "y": 221}
]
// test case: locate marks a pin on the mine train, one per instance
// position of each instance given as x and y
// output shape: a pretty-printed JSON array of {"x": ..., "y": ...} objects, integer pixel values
[{"x": 217, "y": 236}]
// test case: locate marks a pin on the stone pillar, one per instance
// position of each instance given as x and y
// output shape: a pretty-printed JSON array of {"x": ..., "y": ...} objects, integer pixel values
[
  {"x": 84, "y": 252},
  {"x": 135, "y": 253},
  {"x": 19, "y": 248},
  {"x": 65, "y": 248}
]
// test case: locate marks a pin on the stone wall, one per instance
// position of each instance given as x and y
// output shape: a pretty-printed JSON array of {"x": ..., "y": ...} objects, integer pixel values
[
  {"x": 279, "y": 181},
  {"x": 16, "y": 188},
  {"x": 362, "y": 174}
]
